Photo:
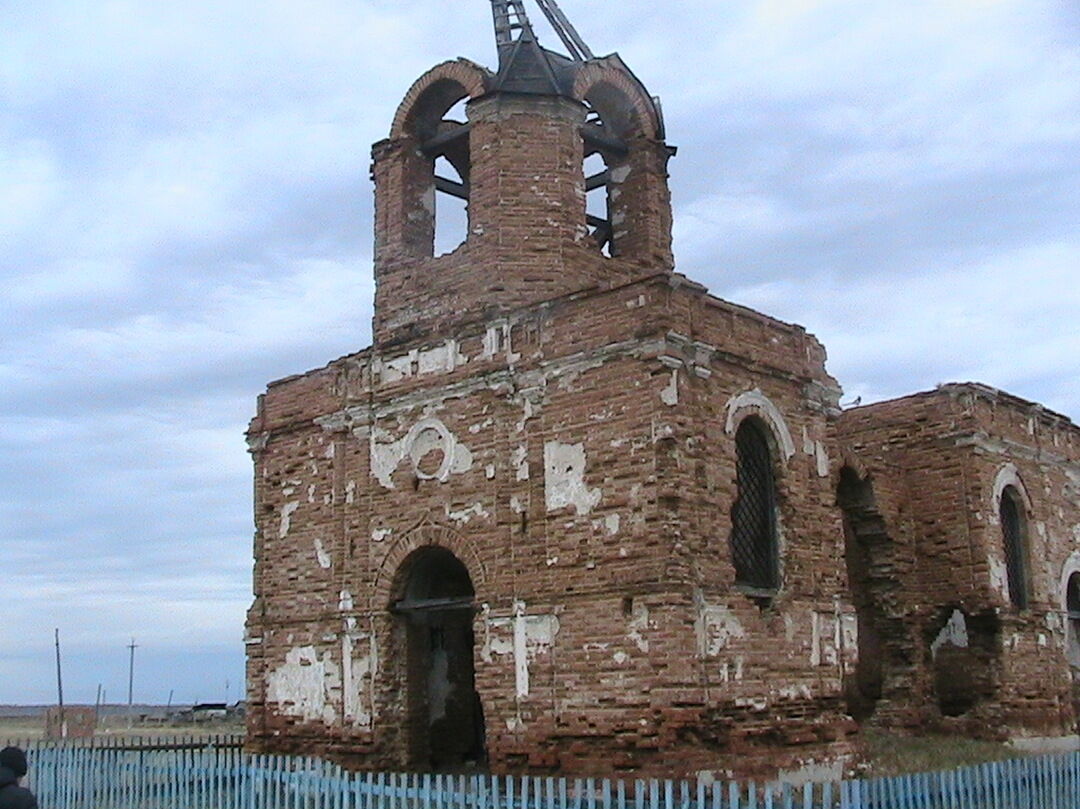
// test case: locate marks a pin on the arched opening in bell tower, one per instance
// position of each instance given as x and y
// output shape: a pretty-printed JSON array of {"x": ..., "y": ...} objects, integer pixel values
[
  {"x": 438, "y": 122},
  {"x": 434, "y": 608}
]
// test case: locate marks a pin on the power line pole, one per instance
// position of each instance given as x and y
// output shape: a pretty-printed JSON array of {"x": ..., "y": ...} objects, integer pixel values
[
  {"x": 59, "y": 686},
  {"x": 131, "y": 676}
]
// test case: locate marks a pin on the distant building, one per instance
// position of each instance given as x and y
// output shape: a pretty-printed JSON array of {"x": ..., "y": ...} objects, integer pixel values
[
  {"x": 572, "y": 513},
  {"x": 209, "y": 711}
]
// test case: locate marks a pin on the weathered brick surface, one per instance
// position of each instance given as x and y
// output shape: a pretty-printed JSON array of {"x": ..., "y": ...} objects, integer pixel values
[
  {"x": 518, "y": 502},
  {"x": 947, "y": 453}
]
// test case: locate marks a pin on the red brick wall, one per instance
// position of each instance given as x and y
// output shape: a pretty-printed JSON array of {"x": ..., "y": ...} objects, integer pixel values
[{"x": 949, "y": 447}]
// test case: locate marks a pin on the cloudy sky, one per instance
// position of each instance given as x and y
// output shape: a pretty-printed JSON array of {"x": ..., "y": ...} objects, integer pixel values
[{"x": 185, "y": 214}]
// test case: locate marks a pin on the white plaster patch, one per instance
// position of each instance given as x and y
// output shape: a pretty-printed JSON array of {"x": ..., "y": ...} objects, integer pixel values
[
  {"x": 321, "y": 555},
  {"x": 620, "y": 657},
  {"x": 520, "y": 461},
  {"x": 396, "y": 368},
  {"x": 358, "y": 676},
  {"x": 426, "y": 436},
  {"x": 638, "y": 626},
  {"x": 564, "y": 478},
  {"x": 379, "y": 534},
  {"x": 526, "y": 637},
  {"x": 350, "y": 492},
  {"x": 954, "y": 633},
  {"x": 611, "y": 522},
  {"x": 822, "y": 457},
  {"x": 716, "y": 627},
  {"x": 463, "y": 515},
  {"x": 670, "y": 394},
  {"x": 287, "y": 511},
  {"x": 345, "y": 601},
  {"x": 825, "y": 639},
  {"x": 999, "y": 575},
  {"x": 305, "y": 685},
  {"x": 440, "y": 359}
]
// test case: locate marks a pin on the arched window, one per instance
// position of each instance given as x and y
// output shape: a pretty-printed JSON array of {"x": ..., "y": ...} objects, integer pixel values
[
  {"x": 1072, "y": 608},
  {"x": 754, "y": 541},
  {"x": 1014, "y": 531}
]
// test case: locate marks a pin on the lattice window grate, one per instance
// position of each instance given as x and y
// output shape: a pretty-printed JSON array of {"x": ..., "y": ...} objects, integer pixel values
[
  {"x": 1012, "y": 527},
  {"x": 753, "y": 535}
]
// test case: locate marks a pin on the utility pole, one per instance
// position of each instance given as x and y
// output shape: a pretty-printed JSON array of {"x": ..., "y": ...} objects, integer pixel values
[
  {"x": 97, "y": 707},
  {"x": 131, "y": 676},
  {"x": 60, "y": 686}
]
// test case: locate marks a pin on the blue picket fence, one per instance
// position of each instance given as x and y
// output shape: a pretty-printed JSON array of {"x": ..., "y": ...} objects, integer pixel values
[{"x": 86, "y": 777}]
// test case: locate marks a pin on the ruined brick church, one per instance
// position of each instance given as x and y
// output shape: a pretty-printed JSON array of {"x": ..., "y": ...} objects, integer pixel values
[{"x": 572, "y": 513}]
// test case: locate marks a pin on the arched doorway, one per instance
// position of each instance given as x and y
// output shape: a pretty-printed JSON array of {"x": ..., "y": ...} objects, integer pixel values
[{"x": 435, "y": 607}]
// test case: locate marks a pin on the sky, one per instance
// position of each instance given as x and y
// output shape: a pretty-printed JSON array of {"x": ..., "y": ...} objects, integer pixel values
[{"x": 185, "y": 215}]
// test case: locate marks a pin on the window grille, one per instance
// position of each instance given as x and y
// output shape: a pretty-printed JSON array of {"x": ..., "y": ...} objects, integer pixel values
[
  {"x": 1012, "y": 527},
  {"x": 1072, "y": 608},
  {"x": 753, "y": 517}
]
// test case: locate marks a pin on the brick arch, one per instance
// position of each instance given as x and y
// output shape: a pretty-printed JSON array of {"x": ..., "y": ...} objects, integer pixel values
[
  {"x": 422, "y": 536},
  {"x": 460, "y": 79},
  {"x": 1008, "y": 475},
  {"x": 755, "y": 403},
  {"x": 615, "y": 81},
  {"x": 849, "y": 460}
]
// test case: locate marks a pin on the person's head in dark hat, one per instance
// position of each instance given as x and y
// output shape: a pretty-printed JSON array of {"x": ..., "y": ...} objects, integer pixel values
[{"x": 14, "y": 759}]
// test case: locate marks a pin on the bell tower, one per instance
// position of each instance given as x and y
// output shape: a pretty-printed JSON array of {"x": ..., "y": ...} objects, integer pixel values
[{"x": 540, "y": 224}]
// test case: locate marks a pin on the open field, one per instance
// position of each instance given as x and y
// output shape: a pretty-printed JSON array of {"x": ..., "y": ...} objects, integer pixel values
[{"x": 13, "y": 728}]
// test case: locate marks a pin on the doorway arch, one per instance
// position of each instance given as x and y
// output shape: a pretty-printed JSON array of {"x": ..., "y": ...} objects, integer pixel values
[{"x": 433, "y": 608}]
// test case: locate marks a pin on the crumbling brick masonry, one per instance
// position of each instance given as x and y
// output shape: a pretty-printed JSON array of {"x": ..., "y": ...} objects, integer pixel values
[{"x": 572, "y": 513}]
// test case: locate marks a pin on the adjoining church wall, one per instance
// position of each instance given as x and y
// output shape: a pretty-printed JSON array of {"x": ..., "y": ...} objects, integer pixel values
[{"x": 983, "y": 664}]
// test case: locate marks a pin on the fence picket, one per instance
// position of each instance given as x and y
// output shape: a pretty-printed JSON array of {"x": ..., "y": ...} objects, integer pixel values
[{"x": 215, "y": 774}]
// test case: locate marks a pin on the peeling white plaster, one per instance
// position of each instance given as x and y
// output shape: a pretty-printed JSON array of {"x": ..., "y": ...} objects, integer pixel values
[
  {"x": 999, "y": 575},
  {"x": 462, "y": 516},
  {"x": 379, "y": 534},
  {"x": 489, "y": 471},
  {"x": 524, "y": 636},
  {"x": 359, "y": 672},
  {"x": 954, "y": 633},
  {"x": 491, "y": 342},
  {"x": 756, "y": 402},
  {"x": 350, "y": 492},
  {"x": 311, "y": 493},
  {"x": 396, "y": 368},
  {"x": 321, "y": 555},
  {"x": 611, "y": 522},
  {"x": 716, "y": 626},
  {"x": 620, "y": 657},
  {"x": 564, "y": 479},
  {"x": 638, "y": 626},
  {"x": 426, "y": 436},
  {"x": 345, "y": 601},
  {"x": 670, "y": 394},
  {"x": 440, "y": 359},
  {"x": 825, "y": 639},
  {"x": 287, "y": 511},
  {"x": 520, "y": 460},
  {"x": 822, "y": 456},
  {"x": 305, "y": 685}
]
